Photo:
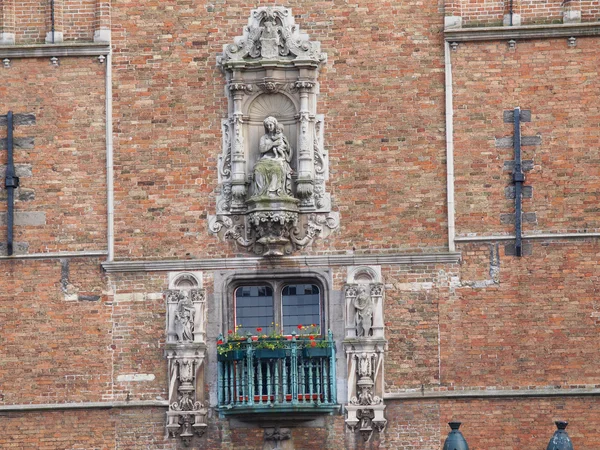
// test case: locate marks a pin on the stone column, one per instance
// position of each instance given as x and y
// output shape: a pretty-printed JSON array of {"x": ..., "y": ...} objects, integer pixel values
[
  {"x": 54, "y": 13},
  {"x": 7, "y": 22},
  {"x": 305, "y": 182},
  {"x": 238, "y": 156},
  {"x": 102, "y": 21}
]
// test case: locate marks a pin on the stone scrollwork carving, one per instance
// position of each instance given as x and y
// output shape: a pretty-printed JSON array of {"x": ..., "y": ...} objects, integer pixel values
[
  {"x": 272, "y": 34},
  {"x": 365, "y": 346},
  {"x": 273, "y": 169},
  {"x": 185, "y": 352}
]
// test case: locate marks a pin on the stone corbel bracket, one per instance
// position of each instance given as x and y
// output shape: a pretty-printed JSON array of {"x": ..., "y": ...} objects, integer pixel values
[
  {"x": 365, "y": 345},
  {"x": 308, "y": 227},
  {"x": 185, "y": 352}
]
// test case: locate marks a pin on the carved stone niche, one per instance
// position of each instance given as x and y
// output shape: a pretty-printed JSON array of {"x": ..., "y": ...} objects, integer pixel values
[
  {"x": 273, "y": 169},
  {"x": 365, "y": 345},
  {"x": 185, "y": 352}
]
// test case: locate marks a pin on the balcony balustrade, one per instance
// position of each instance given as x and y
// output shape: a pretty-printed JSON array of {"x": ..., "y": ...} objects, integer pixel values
[{"x": 277, "y": 375}]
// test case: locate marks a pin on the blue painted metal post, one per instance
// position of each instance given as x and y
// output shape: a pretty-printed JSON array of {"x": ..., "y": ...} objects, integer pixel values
[
  {"x": 332, "y": 378},
  {"x": 294, "y": 369},
  {"x": 250, "y": 372}
]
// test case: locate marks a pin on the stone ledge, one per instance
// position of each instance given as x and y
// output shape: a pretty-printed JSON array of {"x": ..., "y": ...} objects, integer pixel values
[
  {"x": 58, "y": 255},
  {"x": 522, "y": 32},
  {"x": 549, "y": 236},
  {"x": 58, "y": 50},
  {"x": 85, "y": 405},
  {"x": 290, "y": 261},
  {"x": 491, "y": 393}
]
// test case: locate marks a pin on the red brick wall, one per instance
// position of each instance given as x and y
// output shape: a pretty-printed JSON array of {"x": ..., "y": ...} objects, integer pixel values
[
  {"x": 537, "y": 327},
  {"x": 125, "y": 429},
  {"x": 491, "y": 12},
  {"x": 53, "y": 350},
  {"x": 68, "y": 159},
  {"x": 557, "y": 83},
  {"x": 74, "y": 18},
  {"x": 79, "y": 19}
]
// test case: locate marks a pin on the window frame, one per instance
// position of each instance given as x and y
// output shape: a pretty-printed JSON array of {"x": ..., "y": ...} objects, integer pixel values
[{"x": 277, "y": 280}]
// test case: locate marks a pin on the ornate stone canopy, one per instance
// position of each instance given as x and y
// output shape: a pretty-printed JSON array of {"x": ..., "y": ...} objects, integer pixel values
[{"x": 273, "y": 169}]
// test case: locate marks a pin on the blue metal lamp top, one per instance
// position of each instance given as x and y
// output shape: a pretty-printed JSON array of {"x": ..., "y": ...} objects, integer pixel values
[
  {"x": 560, "y": 440},
  {"x": 455, "y": 439}
]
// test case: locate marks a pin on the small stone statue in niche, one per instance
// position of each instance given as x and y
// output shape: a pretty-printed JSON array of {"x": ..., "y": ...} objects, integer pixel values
[
  {"x": 184, "y": 318},
  {"x": 363, "y": 305},
  {"x": 272, "y": 172}
]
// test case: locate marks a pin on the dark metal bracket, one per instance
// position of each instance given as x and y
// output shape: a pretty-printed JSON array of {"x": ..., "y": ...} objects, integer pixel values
[
  {"x": 518, "y": 179},
  {"x": 11, "y": 182}
]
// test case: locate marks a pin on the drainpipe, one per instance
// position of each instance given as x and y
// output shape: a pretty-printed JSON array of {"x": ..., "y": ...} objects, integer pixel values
[
  {"x": 110, "y": 233},
  {"x": 449, "y": 147}
]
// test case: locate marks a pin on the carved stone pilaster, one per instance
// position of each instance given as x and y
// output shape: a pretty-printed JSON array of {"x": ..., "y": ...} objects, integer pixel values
[
  {"x": 365, "y": 345},
  {"x": 185, "y": 352}
]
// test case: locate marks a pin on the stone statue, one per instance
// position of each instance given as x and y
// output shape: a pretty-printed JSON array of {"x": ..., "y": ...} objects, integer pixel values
[
  {"x": 272, "y": 172},
  {"x": 363, "y": 305},
  {"x": 184, "y": 318}
]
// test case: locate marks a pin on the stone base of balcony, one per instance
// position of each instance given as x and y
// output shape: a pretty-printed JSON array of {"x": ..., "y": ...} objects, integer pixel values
[{"x": 293, "y": 413}]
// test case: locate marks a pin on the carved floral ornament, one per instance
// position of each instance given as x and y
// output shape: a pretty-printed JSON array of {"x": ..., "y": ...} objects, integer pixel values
[{"x": 273, "y": 169}]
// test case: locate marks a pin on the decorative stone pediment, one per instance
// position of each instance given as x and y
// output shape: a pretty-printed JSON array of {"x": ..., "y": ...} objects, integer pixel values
[
  {"x": 273, "y": 168},
  {"x": 271, "y": 34}
]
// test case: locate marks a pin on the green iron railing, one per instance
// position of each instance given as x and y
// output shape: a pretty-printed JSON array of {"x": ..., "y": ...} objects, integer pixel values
[{"x": 275, "y": 375}]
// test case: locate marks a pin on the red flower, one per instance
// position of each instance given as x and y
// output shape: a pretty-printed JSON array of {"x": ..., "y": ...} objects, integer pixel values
[
  {"x": 299, "y": 327},
  {"x": 230, "y": 332},
  {"x": 220, "y": 341},
  {"x": 313, "y": 344},
  {"x": 259, "y": 329},
  {"x": 289, "y": 338},
  {"x": 312, "y": 338}
]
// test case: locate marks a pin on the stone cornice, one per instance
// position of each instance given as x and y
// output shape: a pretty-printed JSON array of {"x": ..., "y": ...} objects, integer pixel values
[
  {"x": 54, "y": 50},
  {"x": 278, "y": 262},
  {"x": 522, "y": 32},
  {"x": 85, "y": 405},
  {"x": 491, "y": 393}
]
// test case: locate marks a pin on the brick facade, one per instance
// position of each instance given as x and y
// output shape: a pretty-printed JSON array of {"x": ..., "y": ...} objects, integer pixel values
[{"x": 505, "y": 344}]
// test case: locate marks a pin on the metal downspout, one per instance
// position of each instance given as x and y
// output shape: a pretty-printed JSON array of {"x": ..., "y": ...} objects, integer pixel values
[
  {"x": 110, "y": 234},
  {"x": 449, "y": 148}
]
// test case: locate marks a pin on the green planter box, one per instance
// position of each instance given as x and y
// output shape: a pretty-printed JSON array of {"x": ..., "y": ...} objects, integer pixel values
[
  {"x": 265, "y": 353},
  {"x": 234, "y": 355},
  {"x": 316, "y": 352}
]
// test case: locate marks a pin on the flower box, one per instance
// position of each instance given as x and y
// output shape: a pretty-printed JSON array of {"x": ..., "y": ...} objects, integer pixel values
[
  {"x": 316, "y": 352},
  {"x": 266, "y": 353},
  {"x": 233, "y": 355}
]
